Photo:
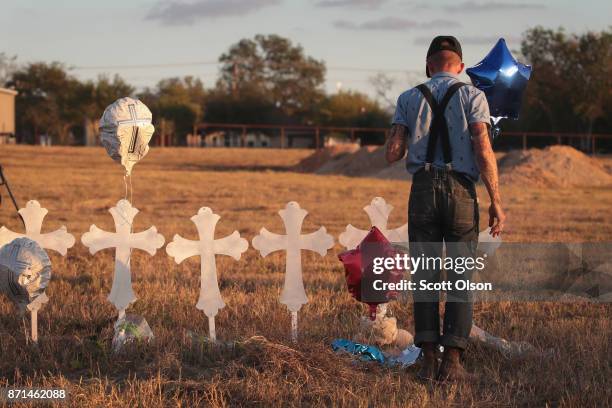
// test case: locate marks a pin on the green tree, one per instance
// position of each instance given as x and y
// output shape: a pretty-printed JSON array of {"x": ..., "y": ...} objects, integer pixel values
[
  {"x": 8, "y": 65},
  {"x": 349, "y": 108},
  {"x": 570, "y": 88},
  {"x": 179, "y": 102},
  {"x": 355, "y": 109},
  {"x": 94, "y": 97},
  {"x": 277, "y": 71},
  {"x": 48, "y": 100}
]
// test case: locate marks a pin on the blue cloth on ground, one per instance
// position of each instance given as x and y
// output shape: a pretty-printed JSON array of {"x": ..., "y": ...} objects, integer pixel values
[{"x": 365, "y": 352}]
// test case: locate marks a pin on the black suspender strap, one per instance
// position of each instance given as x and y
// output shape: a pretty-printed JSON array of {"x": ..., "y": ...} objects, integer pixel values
[
  {"x": 438, "y": 127},
  {"x": 433, "y": 135}
]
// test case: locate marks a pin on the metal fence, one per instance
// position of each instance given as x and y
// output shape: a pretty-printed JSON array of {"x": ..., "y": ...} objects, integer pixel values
[
  {"x": 315, "y": 135},
  {"x": 283, "y": 134},
  {"x": 593, "y": 143}
]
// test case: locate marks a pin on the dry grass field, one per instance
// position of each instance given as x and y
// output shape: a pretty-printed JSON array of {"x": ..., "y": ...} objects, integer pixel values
[{"x": 247, "y": 188}]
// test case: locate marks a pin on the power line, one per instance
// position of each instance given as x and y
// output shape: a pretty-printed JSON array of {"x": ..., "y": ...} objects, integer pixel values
[
  {"x": 200, "y": 63},
  {"x": 361, "y": 69},
  {"x": 143, "y": 66}
]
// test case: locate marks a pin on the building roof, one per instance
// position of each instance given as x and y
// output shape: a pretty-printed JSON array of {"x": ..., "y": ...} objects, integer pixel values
[{"x": 8, "y": 91}]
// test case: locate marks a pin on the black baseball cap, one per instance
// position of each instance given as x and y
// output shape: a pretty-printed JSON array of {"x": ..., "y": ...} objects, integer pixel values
[{"x": 443, "y": 43}]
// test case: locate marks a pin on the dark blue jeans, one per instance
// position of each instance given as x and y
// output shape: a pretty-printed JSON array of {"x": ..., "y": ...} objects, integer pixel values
[{"x": 443, "y": 206}]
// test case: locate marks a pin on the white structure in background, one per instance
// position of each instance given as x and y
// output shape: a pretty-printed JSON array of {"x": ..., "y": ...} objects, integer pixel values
[
  {"x": 7, "y": 116},
  {"x": 234, "y": 139},
  {"x": 207, "y": 247},
  {"x": 123, "y": 241},
  {"x": 378, "y": 211},
  {"x": 293, "y": 294}
]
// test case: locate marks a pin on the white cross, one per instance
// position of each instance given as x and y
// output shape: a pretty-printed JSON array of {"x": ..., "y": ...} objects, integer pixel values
[
  {"x": 378, "y": 211},
  {"x": 23, "y": 255},
  {"x": 207, "y": 247},
  {"x": 59, "y": 240},
  {"x": 123, "y": 241},
  {"x": 34, "y": 307},
  {"x": 33, "y": 215},
  {"x": 293, "y": 294}
]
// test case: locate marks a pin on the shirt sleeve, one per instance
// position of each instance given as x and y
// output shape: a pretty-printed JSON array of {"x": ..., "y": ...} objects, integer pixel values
[
  {"x": 401, "y": 111},
  {"x": 479, "y": 107}
]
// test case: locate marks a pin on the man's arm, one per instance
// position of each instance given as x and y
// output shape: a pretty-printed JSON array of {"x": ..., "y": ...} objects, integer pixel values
[
  {"x": 487, "y": 164},
  {"x": 396, "y": 144}
]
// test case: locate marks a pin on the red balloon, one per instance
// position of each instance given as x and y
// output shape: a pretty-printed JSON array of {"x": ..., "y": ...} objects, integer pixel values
[{"x": 359, "y": 270}]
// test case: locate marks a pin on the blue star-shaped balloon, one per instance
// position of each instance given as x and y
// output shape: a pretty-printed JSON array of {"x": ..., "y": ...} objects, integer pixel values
[{"x": 503, "y": 80}]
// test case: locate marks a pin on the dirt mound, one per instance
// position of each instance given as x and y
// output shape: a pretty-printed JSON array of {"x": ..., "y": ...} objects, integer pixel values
[
  {"x": 395, "y": 171},
  {"x": 321, "y": 157},
  {"x": 364, "y": 162},
  {"x": 351, "y": 160},
  {"x": 554, "y": 166}
]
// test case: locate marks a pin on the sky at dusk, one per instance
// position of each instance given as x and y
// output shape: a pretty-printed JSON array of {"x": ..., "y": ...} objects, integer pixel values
[{"x": 146, "y": 40}]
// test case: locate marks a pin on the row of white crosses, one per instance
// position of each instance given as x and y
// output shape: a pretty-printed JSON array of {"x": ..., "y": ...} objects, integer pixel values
[{"x": 123, "y": 240}]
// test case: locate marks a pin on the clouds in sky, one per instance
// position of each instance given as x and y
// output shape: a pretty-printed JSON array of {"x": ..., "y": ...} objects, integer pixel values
[
  {"x": 186, "y": 12},
  {"x": 176, "y": 12},
  {"x": 492, "y": 6},
  {"x": 471, "y": 40},
  {"x": 350, "y": 3},
  {"x": 395, "y": 24}
]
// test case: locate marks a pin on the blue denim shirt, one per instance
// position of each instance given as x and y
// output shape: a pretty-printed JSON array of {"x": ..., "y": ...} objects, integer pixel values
[{"x": 467, "y": 106}]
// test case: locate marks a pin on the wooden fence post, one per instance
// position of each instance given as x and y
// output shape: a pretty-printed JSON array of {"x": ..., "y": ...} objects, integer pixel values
[{"x": 282, "y": 141}]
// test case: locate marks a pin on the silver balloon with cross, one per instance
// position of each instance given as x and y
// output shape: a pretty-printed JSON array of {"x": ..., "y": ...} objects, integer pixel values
[{"x": 125, "y": 131}]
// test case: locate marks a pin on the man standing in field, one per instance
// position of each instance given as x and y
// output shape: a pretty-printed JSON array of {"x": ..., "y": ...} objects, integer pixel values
[{"x": 444, "y": 126}]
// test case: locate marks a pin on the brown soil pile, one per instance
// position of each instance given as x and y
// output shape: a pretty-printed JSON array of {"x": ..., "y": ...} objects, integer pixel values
[
  {"x": 395, "y": 171},
  {"x": 554, "y": 166},
  {"x": 363, "y": 162},
  {"x": 355, "y": 161},
  {"x": 321, "y": 157}
]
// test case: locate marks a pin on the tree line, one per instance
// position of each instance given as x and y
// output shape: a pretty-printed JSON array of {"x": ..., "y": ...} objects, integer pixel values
[{"x": 270, "y": 80}]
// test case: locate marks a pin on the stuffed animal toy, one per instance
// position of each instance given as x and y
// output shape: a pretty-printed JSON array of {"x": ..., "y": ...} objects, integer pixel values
[{"x": 384, "y": 333}]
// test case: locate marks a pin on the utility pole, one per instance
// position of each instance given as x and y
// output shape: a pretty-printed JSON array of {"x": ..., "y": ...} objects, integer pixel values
[
  {"x": 4, "y": 182},
  {"x": 235, "y": 79}
]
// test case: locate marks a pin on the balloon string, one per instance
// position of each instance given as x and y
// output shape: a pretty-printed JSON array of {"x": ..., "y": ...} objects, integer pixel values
[
  {"x": 127, "y": 177},
  {"x": 128, "y": 186},
  {"x": 131, "y": 191}
]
